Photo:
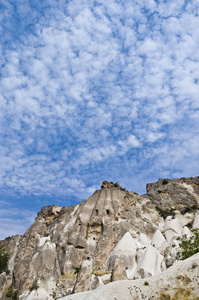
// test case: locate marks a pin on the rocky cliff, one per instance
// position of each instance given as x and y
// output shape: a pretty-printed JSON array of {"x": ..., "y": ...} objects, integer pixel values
[
  {"x": 179, "y": 282},
  {"x": 114, "y": 235}
]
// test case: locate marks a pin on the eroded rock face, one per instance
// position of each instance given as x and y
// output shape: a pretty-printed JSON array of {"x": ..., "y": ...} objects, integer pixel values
[
  {"x": 178, "y": 282},
  {"x": 49, "y": 213},
  {"x": 111, "y": 236},
  {"x": 84, "y": 278},
  {"x": 177, "y": 194},
  {"x": 2, "y": 285},
  {"x": 119, "y": 271}
]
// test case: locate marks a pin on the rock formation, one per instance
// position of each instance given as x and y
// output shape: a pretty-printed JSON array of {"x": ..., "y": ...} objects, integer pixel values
[
  {"x": 114, "y": 235},
  {"x": 180, "y": 282},
  {"x": 177, "y": 194}
]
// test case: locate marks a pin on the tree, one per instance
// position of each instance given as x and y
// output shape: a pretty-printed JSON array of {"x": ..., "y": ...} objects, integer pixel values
[
  {"x": 4, "y": 258},
  {"x": 189, "y": 246}
]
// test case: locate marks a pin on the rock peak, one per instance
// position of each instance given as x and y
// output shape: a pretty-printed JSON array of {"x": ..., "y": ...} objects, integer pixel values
[{"x": 109, "y": 185}]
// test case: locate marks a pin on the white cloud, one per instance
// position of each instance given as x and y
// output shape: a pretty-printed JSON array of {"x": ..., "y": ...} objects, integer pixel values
[
  {"x": 14, "y": 221},
  {"x": 133, "y": 141}
]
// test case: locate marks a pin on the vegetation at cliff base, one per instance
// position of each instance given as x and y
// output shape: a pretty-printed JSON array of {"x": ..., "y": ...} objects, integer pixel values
[
  {"x": 4, "y": 258},
  {"x": 189, "y": 246}
]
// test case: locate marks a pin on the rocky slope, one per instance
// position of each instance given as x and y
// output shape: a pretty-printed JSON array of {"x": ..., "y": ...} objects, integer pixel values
[
  {"x": 179, "y": 282},
  {"x": 114, "y": 235}
]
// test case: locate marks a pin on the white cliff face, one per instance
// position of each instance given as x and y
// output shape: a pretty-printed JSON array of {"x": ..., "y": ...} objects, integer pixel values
[{"x": 114, "y": 235}]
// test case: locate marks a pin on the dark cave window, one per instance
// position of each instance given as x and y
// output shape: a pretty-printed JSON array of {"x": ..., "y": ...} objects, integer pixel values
[
  {"x": 107, "y": 212},
  {"x": 96, "y": 212}
]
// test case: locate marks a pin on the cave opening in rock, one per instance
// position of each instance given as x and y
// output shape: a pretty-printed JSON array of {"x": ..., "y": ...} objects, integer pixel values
[{"x": 107, "y": 212}]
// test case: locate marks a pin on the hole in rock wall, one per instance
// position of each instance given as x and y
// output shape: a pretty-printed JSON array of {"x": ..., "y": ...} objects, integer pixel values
[
  {"x": 79, "y": 227},
  {"x": 94, "y": 231},
  {"x": 107, "y": 212},
  {"x": 96, "y": 212}
]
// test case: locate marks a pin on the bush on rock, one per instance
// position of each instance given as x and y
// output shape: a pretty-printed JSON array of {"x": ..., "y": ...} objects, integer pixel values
[
  {"x": 4, "y": 258},
  {"x": 189, "y": 246}
]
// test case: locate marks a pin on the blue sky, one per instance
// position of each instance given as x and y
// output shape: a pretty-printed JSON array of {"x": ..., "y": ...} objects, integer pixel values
[{"x": 93, "y": 91}]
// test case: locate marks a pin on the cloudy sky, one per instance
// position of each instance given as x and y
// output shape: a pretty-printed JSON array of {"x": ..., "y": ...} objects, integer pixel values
[{"x": 92, "y": 91}]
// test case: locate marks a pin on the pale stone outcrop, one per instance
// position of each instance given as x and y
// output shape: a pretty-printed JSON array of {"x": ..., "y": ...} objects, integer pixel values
[
  {"x": 144, "y": 240},
  {"x": 172, "y": 229},
  {"x": 136, "y": 260},
  {"x": 119, "y": 270},
  {"x": 186, "y": 231},
  {"x": 96, "y": 281},
  {"x": 2, "y": 285},
  {"x": 113, "y": 235},
  {"x": 84, "y": 280},
  {"x": 150, "y": 263},
  {"x": 49, "y": 213},
  {"x": 11, "y": 245},
  {"x": 158, "y": 240},
  {"x": 39, "y": 293},
  {"x": 125, "y": 252},
  {"x": 178, "y": 282},
  {"x": 196, "y": 222}
]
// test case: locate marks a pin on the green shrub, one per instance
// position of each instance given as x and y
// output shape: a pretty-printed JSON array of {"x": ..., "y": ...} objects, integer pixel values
[
  {"x": 77, "y": 270},
  {"x": 12, "y": 294},
  {"x": 165, "y": 181},
  {"x": 189, "y": 246},
  {"x": 164, "y": 213},
  {"x": 4, "y": 258}
]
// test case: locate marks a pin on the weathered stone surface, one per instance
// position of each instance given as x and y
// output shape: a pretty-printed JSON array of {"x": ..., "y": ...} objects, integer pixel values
[
  {"x": 158, "y": 240},
  {"x": 177, "y": 283},
  {"x": 2, "y": 286},
  {"x": 84, "y": 278},
  {"x": 150, "y": 263},
  {"x": 11, "y": 245},
  {"x": 177, "y": 194},
  {"x": 124, "y": 252},
  {"x": 118, "y": 272},
  {"x": 114, "y": 231},
  {"x": 49, "y": 213},
  {"x": 196, "y": 222}
]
